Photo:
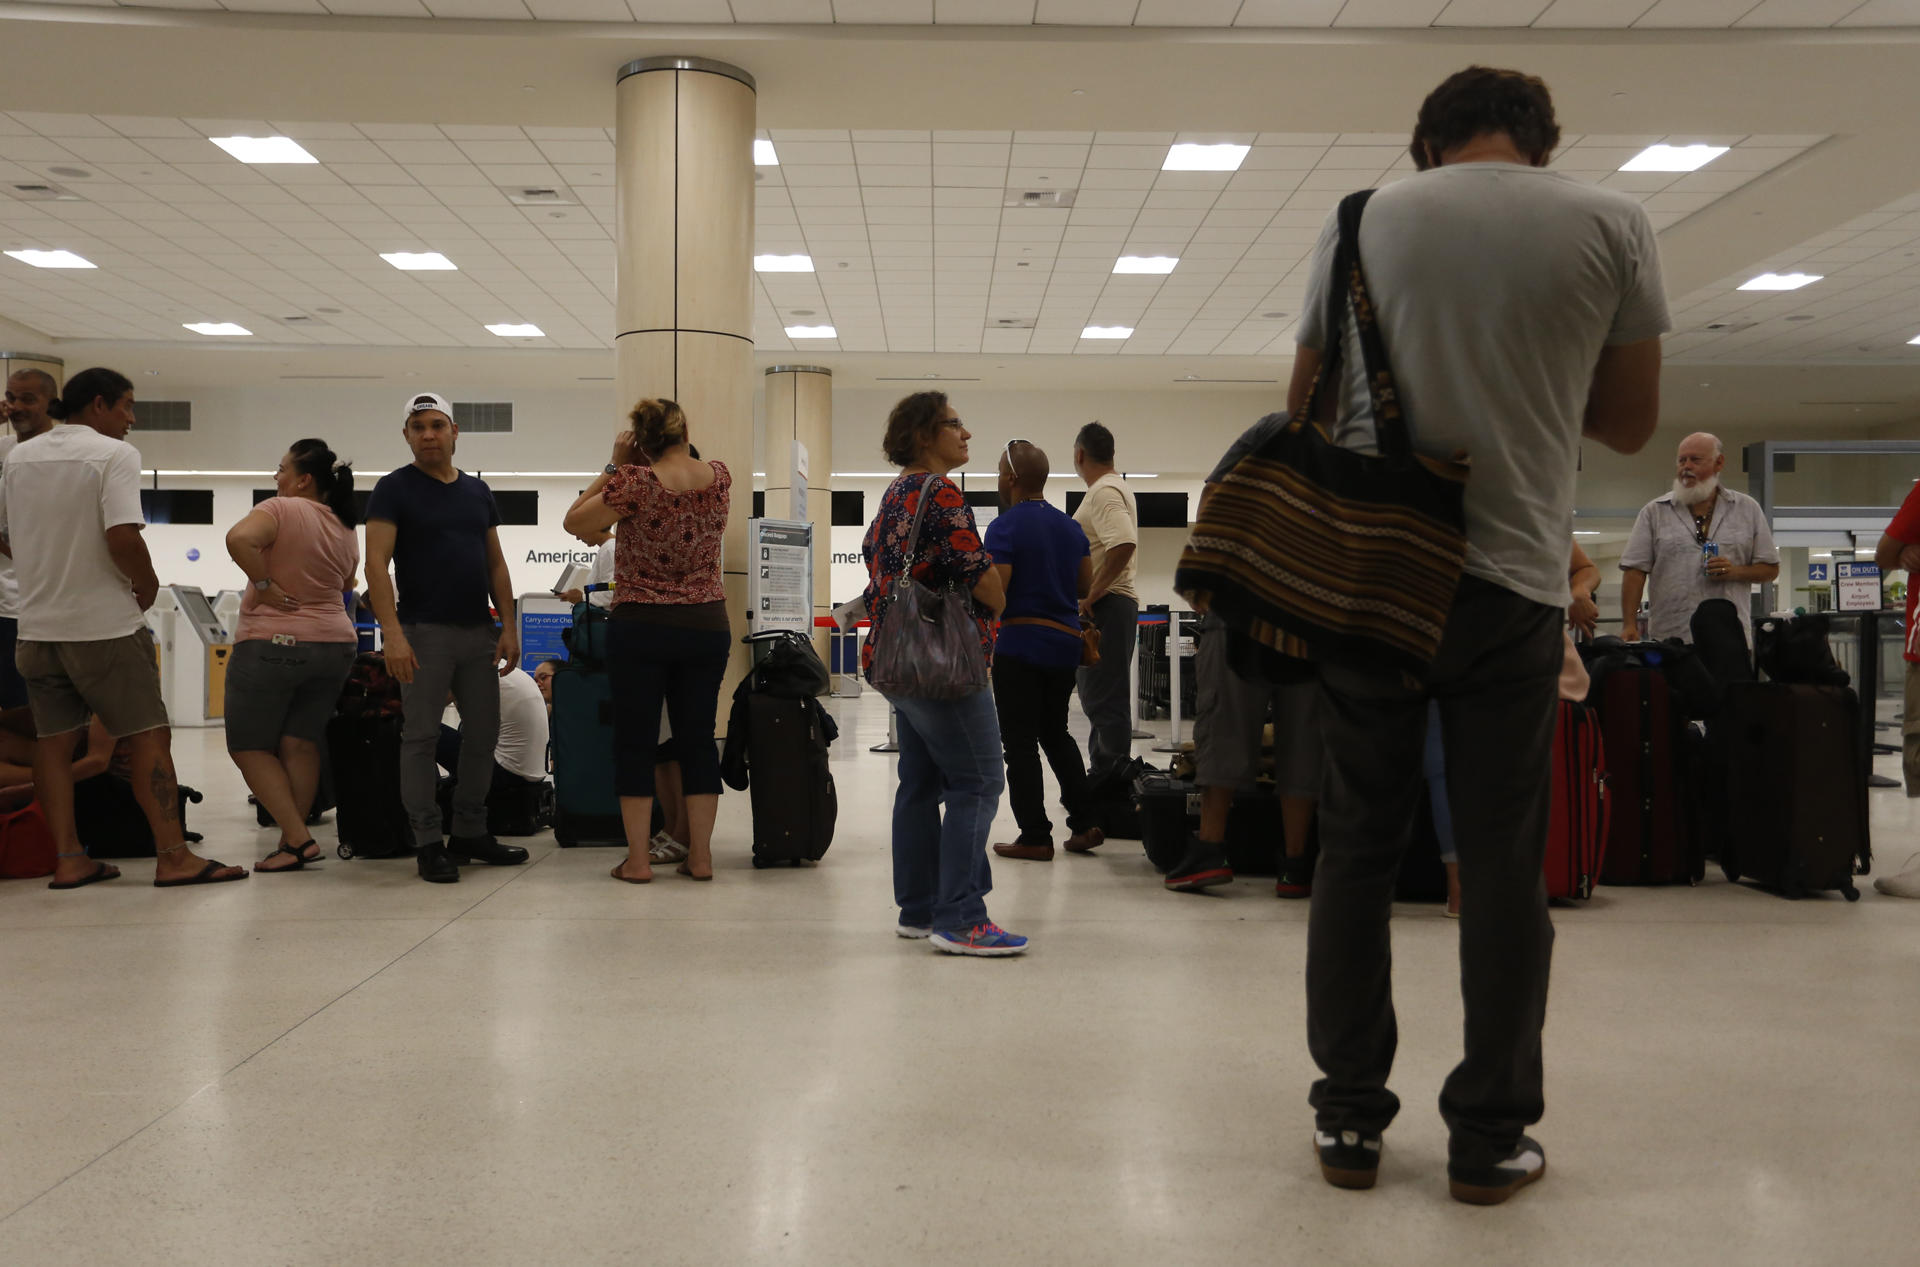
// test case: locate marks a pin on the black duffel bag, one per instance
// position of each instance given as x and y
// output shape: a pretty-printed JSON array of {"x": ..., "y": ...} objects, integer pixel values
[{"x": 1795, "y": 649}]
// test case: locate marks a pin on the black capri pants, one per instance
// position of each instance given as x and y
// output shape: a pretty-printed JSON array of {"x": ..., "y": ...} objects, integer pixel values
[{"x": 652, "y": 664}]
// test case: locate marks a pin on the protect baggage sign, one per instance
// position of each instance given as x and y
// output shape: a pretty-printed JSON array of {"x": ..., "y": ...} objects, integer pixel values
[{"x": 780, "y": 575}]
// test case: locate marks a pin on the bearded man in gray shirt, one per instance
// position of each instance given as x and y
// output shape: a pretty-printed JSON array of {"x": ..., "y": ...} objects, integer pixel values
[{"x": 1521, "y": 309}]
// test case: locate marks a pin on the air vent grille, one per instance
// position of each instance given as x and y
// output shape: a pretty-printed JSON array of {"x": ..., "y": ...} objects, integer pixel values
[
  {"x": 163, "y": 415},
  {"x": 1039, "y": 198},
  {"x": 483, "y": 416},
  {"x": 41, "y": 191}
]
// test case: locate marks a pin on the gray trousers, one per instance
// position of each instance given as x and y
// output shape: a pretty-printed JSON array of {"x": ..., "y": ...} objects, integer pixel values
[
  {"x": 456, "y": 658},
  {"x": 1104, "y": 687},
  {"x": 1496, "y": 680}
]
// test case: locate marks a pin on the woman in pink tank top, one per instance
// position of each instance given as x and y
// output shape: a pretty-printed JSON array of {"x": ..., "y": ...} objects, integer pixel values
[{"x": 296, "y": 644}]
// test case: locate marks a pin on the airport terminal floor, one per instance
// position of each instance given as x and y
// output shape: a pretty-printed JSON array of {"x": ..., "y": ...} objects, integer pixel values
[{"x": 345, "y": 1065}]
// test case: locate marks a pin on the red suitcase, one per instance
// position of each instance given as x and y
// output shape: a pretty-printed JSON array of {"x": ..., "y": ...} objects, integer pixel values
[
  {"x": 1650, "y": 834},
  {"x": 1577, "y": 829}
]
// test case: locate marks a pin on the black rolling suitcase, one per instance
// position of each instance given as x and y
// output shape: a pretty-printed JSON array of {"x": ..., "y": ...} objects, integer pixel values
[
  {"x": 790, "y": 784},
  {"x": 586, "y": 809},
  {"x": 365, "y": 755},
  {"x": 1796, "y": 793}
]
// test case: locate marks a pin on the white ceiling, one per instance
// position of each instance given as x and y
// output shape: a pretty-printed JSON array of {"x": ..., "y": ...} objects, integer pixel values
[
  {"x": 1293, "y": 14},
  {"x": 914, "y": 250}
]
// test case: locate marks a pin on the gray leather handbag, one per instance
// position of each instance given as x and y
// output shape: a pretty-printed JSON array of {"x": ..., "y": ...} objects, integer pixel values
[{"x": 928, "y": 647}]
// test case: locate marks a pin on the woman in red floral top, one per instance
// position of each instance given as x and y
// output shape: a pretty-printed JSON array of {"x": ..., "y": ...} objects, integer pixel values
[
  {"x": 949, "y": 749},
  {"x": 669, "y": 637}
]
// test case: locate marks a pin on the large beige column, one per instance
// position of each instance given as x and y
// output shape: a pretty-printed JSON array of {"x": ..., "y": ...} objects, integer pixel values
[
  {"x": 683, "y": 178},
  {"x": 800, "y": 411}
]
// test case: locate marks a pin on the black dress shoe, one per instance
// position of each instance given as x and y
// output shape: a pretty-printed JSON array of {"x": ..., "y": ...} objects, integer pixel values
[
  {"x": 437, "y": 866},
  {"x": 486, "y": 849}
]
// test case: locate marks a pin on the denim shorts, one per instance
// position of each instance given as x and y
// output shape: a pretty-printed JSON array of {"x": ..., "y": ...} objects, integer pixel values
[{"x": 275, "y": 691}]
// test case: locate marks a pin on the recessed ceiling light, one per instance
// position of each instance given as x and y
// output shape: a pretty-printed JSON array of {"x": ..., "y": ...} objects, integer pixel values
[
  {"x": 1915, "y": 340},
  {"x": 1107, "y": 332},
  {"x": 812, "y": 332},
  {"x": 419, "y": 261},
  {"x": 52, "y": 259},
  {"x": 1780, "y": 281},
  {"x": 508, "y": 330},
  {"x": 1205, "y": 158},
  {"x": 1145, "y": 263},
  {"x": 264, "y": 149},
  {"x": 224, "y": 329},
  {"x": 783, "y": 263},
  {"x": 763, "y": 155},
  {"x": 1673, "y": 158},
  {"x": 1586, "y": 532}
]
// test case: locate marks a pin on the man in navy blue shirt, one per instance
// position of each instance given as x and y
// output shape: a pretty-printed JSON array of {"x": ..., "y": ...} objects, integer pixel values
[
  {"x": 440, "y": 529},
  {"x": 1045, "y": 564}
]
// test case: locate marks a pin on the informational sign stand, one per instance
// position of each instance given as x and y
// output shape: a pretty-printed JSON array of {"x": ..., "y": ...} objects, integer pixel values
[
  {"x": 543, "y": 621},
  {"x": 1856, "y": 587},
  {"x": 780, "y": 576}
]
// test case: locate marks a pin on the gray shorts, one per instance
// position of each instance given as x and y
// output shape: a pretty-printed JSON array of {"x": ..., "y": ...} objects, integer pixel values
[
  {"x": 1230, "y": 713},
  {"x": 117, "y": 679},
  {"x": 276, "y": 692}
]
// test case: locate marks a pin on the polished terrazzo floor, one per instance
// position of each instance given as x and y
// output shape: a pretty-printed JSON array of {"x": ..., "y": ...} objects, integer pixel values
[{"x": 539, "y": 1065}]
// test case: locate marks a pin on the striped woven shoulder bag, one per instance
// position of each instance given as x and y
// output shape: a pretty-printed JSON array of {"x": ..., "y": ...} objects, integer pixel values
[{"x": 1310, "y": 551}]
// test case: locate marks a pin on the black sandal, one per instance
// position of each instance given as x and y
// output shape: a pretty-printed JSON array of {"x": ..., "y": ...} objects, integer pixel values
[{"x": 296, "y": 852}]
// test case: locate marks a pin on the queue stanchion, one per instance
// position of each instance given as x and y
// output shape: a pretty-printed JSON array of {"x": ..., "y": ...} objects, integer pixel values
[
  {"x": 1868, "y": 674},
  {"x": 1173, "y": 683},
  {"x": 1133, "y": 713},
  {"x": 893, "y": 733}
]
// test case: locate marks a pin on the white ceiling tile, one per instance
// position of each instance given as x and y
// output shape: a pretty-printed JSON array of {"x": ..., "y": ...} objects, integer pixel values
[
  {"x": 1186, "y": 12},
  {"x": 900, "y": 12},
  {"x": 962, "y": 178},
  {"x": 1592, "y": 15},
  {"x": 1491, "y": 13},
  {"x": 900, "y": 155},
  {"x": 1390, "y": 13},
  {"x": 781, "y": 10},
  {"x": 1702, "y": 14},
  {"x": 378, "y": 8},
  {"x": 1885, "y": 13},
  {"x": 876, "y": 174},
  {"x": 1798, "y": 13},
  {"x": 822, "y": 174},
  {"x": 983, "y": 12},
  {"x": 580, "y": 10},
  {"x": 485, "y": 10},
  {"x": 1288, "y": 13}
]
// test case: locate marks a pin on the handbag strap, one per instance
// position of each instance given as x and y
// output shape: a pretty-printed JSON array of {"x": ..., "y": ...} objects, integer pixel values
[
  {"x": 919, "y": 517},
  {"x": 1390, "y": 423}
]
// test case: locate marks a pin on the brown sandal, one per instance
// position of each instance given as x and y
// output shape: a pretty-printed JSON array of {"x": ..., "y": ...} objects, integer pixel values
[
  {"x": 686, "y": 871},
  {"x": 618, "y": 874}
]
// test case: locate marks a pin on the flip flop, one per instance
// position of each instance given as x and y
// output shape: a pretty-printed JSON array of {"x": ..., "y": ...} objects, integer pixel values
[
  {"x": 297, "y": 852},
  {"x": 615, "y": 873},
  {"x": 101, "y": 871},
  {"x": 204, "y": 876}
]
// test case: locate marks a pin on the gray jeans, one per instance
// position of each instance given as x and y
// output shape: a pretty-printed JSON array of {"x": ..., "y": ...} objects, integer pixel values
[
  {"x": 1104, "y": 687},
  {"x": 456, "y": 658},
  {"x": 1496, "y": 679}
]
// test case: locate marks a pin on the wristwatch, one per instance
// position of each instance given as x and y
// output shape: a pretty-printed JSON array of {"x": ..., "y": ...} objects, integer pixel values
[
  {"x": 263, "y": 584},
  {"x": 612, "y": 469}
]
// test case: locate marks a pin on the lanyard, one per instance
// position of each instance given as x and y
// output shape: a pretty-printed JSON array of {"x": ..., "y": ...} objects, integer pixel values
[{"x": 1692, "y": 524}]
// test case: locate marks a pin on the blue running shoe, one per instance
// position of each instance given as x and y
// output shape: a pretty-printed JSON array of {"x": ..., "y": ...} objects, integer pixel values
[{"x": 984, "y": 940}]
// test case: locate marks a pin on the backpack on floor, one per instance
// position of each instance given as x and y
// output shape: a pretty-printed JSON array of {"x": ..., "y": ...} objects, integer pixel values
[{"x": 27, "y": 850}]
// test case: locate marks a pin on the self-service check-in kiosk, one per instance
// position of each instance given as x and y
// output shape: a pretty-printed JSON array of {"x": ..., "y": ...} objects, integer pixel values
[{"x": 194, "y": 649}]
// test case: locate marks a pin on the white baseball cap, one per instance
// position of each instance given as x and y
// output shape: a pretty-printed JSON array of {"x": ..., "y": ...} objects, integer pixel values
[{"x": 429, "y": 400}]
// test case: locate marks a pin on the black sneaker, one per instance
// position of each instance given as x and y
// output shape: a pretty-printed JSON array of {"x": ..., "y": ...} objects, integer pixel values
[
  {"x": 436, "y": 866},
  {"x": 1490, "y": 1185},
  {"x": 1203, "y": 867},
  {"x": 1296, "y": 878},
  {"x": 1350, "y": 1159},
  {"x": 486, "y": 849}
]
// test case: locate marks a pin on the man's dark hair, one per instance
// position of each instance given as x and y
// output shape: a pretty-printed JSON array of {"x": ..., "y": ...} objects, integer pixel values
[
  {"x": 47, "y": 386},
  {"x": 1481, "y": 100},
  {"x": 1097, "y": 442},
  {"x": 912, "y": 426},
  {"x": 87, "y": 386}
]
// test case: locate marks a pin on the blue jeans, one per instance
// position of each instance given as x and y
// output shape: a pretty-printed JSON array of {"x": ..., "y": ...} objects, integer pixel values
[
  {"x": 1434, "y": 768},
  {"x": 949, "y": 751}
]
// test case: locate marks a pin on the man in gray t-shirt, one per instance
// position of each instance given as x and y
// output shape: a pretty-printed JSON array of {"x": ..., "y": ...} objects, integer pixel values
[{"x": 1520, "y": 309}]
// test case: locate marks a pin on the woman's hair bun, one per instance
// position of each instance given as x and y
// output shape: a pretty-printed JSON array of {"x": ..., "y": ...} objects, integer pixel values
[{"x": 658, "y": 425}]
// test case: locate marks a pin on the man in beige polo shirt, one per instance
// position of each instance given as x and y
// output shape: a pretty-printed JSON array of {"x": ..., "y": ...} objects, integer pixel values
[{"x": 1111, "y": 521}]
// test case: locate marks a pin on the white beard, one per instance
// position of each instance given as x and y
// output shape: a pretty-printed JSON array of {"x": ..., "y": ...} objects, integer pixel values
[{"x": 1704, "y": 491}]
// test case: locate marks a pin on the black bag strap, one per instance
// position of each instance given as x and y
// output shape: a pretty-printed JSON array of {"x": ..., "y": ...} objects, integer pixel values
[{"x": 1347, "y": 288}]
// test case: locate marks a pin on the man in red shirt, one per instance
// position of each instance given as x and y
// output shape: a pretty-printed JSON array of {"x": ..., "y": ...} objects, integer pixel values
[{"x": 1900, "y": 548}]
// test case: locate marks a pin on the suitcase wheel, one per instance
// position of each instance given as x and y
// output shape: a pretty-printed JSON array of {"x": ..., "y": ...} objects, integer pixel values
[
  {"x": 345, "y": 850},
  {"x": 759, "y": 863},
  {"x": 1850, "y": 893}
]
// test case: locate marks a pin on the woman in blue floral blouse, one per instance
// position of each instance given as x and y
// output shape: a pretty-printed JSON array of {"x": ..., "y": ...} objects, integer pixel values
[{"x": 949, "y": 749}]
